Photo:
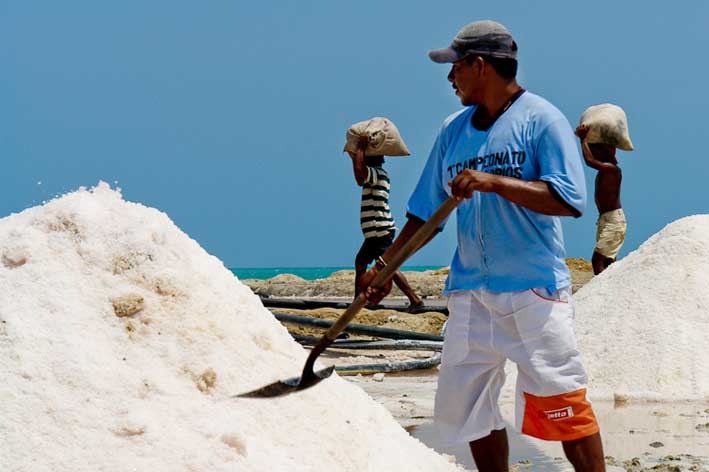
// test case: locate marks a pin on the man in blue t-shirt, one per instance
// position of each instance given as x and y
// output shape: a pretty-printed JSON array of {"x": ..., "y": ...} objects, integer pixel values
[{"x": 511, "y": 158}]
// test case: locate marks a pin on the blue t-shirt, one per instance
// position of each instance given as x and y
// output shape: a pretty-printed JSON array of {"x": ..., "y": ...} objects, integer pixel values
[{"x": 503, "y": 246}]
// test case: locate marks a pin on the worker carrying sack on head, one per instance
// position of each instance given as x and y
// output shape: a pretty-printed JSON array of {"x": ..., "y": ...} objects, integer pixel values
[
  {"x": 367, "y": 144},
  {"x": 602, "y": 129}
]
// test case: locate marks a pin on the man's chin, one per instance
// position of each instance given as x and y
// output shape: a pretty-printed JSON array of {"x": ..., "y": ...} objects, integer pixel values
[{"x": 465, "y": 101}]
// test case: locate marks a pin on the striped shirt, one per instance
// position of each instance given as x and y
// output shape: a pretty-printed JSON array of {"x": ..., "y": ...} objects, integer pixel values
[{"x": 375, "y": 216}]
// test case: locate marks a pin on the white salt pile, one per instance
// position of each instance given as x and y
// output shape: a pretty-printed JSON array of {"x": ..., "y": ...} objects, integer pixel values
[
  {"x": 122, "y": 342},
  {"x": 643, "y": 323}
]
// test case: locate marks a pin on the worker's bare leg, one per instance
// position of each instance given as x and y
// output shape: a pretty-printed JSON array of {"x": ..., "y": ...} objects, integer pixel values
[
  {"x": 491, "y": 453},
  {"x": 404, "y": 286},
  {"x": 598, "y": 261},
  {"x": 359, "y": 272},
  {"x": 586, "y": 454}
]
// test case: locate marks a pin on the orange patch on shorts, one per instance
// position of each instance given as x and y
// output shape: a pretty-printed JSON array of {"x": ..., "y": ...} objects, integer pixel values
[{"x": 562, "y": 417}]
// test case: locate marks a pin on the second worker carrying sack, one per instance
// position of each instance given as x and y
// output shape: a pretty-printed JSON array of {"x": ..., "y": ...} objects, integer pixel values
[
  {"x": 384, "y": 138},
  {"x": 607, "y": 124}
]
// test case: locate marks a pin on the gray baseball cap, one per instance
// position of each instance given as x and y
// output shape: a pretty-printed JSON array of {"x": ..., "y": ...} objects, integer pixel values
[{"x": 480, "y": 37}]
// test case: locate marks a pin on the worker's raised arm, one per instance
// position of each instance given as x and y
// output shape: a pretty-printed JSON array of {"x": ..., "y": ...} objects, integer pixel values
[
  {"x": 359, "y": 169},
  {"x": 588, "y": 157}
]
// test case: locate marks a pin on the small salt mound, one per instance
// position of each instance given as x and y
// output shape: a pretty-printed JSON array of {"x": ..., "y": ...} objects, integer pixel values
[
  {"x": 122, "y": 342},
  {"x": 642, "y": 324}
]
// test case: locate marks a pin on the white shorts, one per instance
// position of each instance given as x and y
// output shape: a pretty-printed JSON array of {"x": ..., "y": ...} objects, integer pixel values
[
  {"x": 610, "y": 233},
  {"x": 535, "y": 329}
]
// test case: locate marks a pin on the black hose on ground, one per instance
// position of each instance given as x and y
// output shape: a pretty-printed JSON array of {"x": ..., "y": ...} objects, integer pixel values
[
  {"x": 389, "y": 367},
  {"x": 387, "y": 344},
  {"x": 303, "y": 304},
  {"x": 382, "y": 345},
  {"x": 359, "y": 328}
]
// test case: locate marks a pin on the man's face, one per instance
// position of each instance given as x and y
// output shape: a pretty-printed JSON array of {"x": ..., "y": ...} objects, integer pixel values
[{"x": 466, "y": 80}]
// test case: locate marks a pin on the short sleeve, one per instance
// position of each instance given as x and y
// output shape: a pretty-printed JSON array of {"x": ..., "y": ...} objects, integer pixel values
[
  {"x": 429, "y": 193},
  {"x": 560, "y": 164},
  {"x": 372, "y": 176}
]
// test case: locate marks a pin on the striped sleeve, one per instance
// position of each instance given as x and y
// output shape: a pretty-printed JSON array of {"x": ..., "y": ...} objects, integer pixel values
[{"x": 372, "y": 176}]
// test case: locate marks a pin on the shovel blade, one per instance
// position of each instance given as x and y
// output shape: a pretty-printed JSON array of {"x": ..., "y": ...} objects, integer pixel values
[{"x": 288, "y": 386}]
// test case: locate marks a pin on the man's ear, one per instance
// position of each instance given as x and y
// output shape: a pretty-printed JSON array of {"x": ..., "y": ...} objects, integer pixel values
[{"x": 482, "y": 66}]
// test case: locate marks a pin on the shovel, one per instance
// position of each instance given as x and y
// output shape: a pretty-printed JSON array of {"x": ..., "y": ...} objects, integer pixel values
[{"x": 309, "y": 377}]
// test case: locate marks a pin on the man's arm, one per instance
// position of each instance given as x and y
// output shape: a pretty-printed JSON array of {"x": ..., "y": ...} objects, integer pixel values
[
  {"x": 412, "y": 225},
  {"x": 375, "y": 295},
  {"x": 534, "y": 195},
  {"x": 358, "y": 167},
  {"x": 594, "y": 163},
  {"x": 591, "y": 161}
]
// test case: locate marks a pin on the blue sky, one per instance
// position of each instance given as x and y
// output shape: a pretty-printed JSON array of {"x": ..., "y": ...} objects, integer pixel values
[{"x": 230, "y": 115}]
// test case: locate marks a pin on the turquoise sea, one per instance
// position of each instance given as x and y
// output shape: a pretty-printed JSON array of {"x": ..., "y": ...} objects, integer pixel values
[{"x": 307, "y": 273}]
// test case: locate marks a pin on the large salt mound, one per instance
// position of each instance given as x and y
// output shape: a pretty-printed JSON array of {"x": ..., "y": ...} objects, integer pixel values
[
  {"x": 642, "y": 324},
  {"x": 85, "y": 390}
]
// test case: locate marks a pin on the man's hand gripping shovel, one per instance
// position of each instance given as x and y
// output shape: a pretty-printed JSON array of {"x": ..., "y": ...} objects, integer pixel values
[{"x": 309, "y": 377}]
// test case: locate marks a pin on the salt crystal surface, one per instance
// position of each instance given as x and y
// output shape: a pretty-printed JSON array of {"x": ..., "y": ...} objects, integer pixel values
[
  {"x": 643, "y": 323},
  {"x": 84, "y": 389}
]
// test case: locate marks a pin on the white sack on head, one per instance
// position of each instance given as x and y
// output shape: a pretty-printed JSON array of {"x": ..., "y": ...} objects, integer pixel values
[
  {"x": 384, "y": 138},
  {"x": 607, "y": 124}
]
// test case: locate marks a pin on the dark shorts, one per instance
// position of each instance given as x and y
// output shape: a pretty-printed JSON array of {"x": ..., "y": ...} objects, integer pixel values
[{"x": 373, "y": 248}]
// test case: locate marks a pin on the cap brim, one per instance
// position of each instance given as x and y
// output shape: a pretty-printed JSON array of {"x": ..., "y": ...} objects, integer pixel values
[{"x": 444, "y": 55}]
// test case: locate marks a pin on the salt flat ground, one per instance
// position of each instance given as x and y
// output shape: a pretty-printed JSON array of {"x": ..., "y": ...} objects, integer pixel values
[{"x": 660, "y": 435}]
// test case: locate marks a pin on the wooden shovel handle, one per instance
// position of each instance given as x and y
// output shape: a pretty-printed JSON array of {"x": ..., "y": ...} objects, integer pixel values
[{"x": 418, "y": 238}]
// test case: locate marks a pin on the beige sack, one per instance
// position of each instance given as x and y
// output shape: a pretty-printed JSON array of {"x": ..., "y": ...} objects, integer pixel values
[
  {"x": 384, "y": 138},
  {"x": 607, "y": 124}
]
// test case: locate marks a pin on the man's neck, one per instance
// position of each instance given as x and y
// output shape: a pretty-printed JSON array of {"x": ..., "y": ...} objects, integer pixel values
[
  {"x": 498, "y": 95},
  {"x": 495, "y": 102}
]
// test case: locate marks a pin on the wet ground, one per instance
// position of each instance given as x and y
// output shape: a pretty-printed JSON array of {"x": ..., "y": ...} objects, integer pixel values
[{"x": 636, "y": 437}]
